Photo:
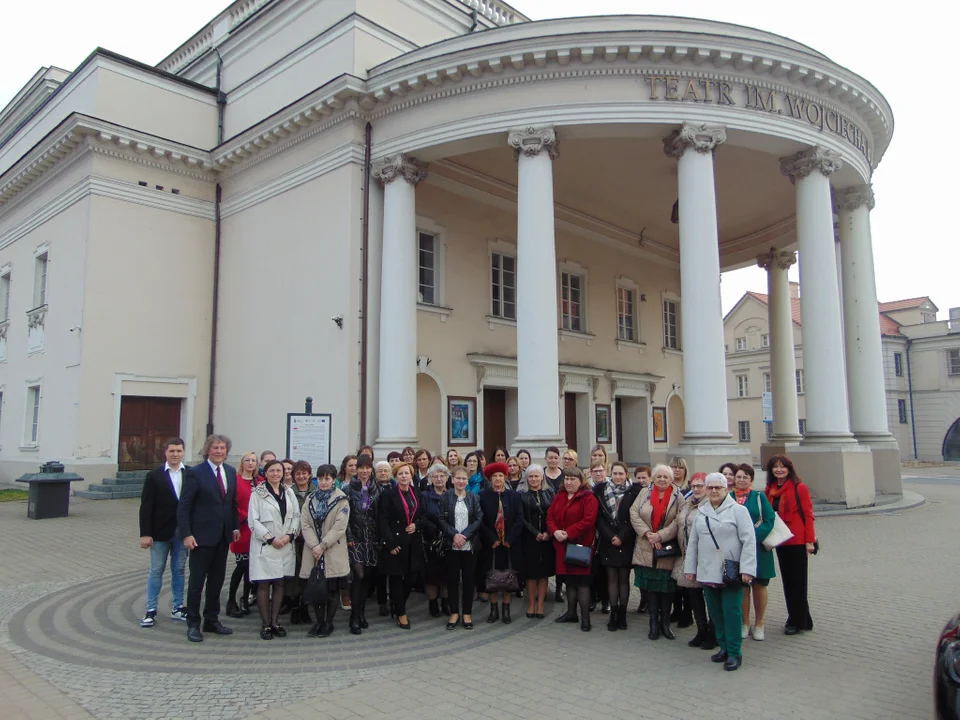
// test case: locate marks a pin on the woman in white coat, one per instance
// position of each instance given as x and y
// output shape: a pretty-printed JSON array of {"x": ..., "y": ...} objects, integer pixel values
[
  {"x": 722, "y": 531},
  {"x": 274, "y": 520}
]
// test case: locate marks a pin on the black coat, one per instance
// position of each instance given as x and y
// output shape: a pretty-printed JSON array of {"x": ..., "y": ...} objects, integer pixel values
[
  {"x": 513, "y": 526},
  {"x": 539, "y": 556},
  {"x": 447, "y": 518},
  {"x": 392, "y": 521},
  {"x": 203, "y": 512},
  {"x": 610, "y": 526},
  {"x": 159, "y": 503}
]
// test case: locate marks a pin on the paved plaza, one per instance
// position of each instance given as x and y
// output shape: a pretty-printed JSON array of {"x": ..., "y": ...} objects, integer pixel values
[{"x": 70, "y": 645}]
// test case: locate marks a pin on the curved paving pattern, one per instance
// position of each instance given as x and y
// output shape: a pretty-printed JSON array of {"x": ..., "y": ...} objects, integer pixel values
[{"x": 95, "y": 624}]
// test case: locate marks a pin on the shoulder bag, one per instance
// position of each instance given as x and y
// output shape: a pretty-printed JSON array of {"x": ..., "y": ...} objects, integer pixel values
[
  {"x": 315, "y": 592},
  {"x": 816, "y": 543},
  {"x": 502, "y": 580},
  {"x": 577, "y": 555},
  {"x": 779, "y": 534},
  {"x": 731, "y": 568}
]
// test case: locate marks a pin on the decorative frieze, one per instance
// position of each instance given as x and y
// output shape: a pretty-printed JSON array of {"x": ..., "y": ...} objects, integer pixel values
[
  {"x": 774, "y": 259},
  {"x": 532, "y": 141},
  {"x": 388, "y": 169},
  {"x": 852, "y": 198},
  {"x": 36, "y": 317},
  {"x": 698, "y": 136},
  {"x": 818, "y": 158}
]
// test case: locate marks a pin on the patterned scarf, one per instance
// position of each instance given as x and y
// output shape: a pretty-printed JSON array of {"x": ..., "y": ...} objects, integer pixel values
[
  {"x": 320, "y": 505},
  {"x": 500, "y": 524},
  {"x": 660, "y": 504},
  {"x": 410, "y": 514},
  {"x": 741, "y": 497},
  {"x": 613, "y": 494}
]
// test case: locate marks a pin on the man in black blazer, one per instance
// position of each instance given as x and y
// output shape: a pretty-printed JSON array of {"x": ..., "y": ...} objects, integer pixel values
[
  {"x": 158, "y": 530},
  {"x": 208, "y": 521}
]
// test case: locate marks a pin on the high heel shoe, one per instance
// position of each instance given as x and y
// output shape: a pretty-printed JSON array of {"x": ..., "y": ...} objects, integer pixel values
[
  {"x": 233, "y": 610},
  {"x": 585, "y": 623},
  {"x": 452, "y": 624},
  {"x": 403, "y": 625}
]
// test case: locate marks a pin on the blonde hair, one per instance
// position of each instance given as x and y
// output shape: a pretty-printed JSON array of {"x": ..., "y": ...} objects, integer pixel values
[
  {"x": 606, "y": 458},
  {"x": 517, "y": 461},
  {"x": 573, "y": 453},
  {"x": 665, "y": 468}
]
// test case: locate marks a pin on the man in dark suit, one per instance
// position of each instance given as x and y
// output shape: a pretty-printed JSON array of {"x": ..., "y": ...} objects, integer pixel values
[
  {"x": 208, "y": 520},
  {"x": 158, "y": 530}
]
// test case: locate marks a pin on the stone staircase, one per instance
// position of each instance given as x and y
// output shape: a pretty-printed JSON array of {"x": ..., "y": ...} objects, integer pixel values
[{"x": 126, "y": 484}]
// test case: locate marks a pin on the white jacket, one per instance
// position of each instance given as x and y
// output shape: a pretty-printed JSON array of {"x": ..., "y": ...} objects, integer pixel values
[
  {"x": 733, "y": 529},
  {"x": 263, "y": 516}
]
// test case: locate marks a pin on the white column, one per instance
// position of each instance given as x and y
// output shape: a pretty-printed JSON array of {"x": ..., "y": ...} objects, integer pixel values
[
  {"x": 398, "y": 305},
  {"x": 537, "y": 335},
  {"x": 868, "y": 398},
  {"x": 374, "y": 269},
  {"x": 701, "y": 325},
  {"x": 783, "y": 363},
  {"x": 824, "y": 374}
]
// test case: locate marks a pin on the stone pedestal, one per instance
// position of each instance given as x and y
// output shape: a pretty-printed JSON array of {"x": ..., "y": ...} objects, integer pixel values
[
  {"x": 709, "y": 458},
  {"x": 840, "y": 473},
  {"x": 777, "y": 447},
  {"x": 887, "y": 476}
]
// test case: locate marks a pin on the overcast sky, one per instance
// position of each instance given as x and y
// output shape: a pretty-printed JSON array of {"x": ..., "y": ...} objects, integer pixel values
[{"x": 907, "y": 55}]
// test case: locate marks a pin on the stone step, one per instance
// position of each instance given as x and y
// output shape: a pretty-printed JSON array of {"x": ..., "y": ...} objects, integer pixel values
[
  {"x": 133, "y": 482},
  {"x": 132, "y": 474},
  {"x": 106, "y": 495},
  {"x": 125, "y": 488}
]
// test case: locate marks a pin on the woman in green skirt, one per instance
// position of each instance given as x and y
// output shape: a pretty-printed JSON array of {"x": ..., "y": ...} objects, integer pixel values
[
  {"x": 761, "y": 513},
  {"x": 654, "y": 517}
]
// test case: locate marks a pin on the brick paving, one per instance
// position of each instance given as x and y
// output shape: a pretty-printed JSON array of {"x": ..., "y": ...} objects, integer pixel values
[{"x": 70, "y": 646}]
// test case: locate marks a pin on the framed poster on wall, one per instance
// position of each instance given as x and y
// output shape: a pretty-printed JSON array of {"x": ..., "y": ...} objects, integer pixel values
[
  {"x": 660, "y": 424},
  {"x": 603, "y": 424},
  {"x": 461, "y": 421}
]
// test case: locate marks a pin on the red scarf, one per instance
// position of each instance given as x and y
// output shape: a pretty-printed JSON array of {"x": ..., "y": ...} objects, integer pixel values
[
  {"x": 741, "y": 497},
  {"x": 500, "y": 524},
  {"x": 774, "y": 492},
  {"x": 660, "y": 503}
]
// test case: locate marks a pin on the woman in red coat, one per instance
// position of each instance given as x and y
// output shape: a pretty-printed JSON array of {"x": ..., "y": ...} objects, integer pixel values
[
  {"x": 572, "y": 520},
  {"x": 791, "y": 500},
  {"x": 246, "y": 479}
]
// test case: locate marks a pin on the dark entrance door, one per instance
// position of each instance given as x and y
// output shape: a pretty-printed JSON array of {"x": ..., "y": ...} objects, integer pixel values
[
  {"x": 618, "y": 418},
  {"x": 494, "y": 420},
  {"x": 145, "y": 424},
  {"x": 570, "y": 420},
  {"x": 951, "y": 443}
]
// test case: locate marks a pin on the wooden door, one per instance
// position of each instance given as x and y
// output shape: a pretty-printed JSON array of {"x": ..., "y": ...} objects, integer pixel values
[
  {"x": 570, "y": 420},
  {"x": 494, "y": 420},
  {"x": 146, "y": 423}
]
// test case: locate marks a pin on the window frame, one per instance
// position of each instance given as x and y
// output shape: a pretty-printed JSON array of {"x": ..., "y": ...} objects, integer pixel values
[
  {"x": 740, "y": 343},
  {"x": 425, "y": 226},
  {"x": 31, "y": 414},
  {"x": 764, "y": 340},
  {"x": 743, "y": 385},
  {"x": 953, "y": 362},
  {"x": 41, "y": 271},
  {"x": 767, "y": 382},
  {"x": 6, "y": 279},
  {"x": 802, "y": 427},
  {"x": 677, "y": 322},
  {"x": 743, "y": 437},
  {"x": 501, "y": 248},
  {"x": 902, "y": 411},
  {"x": 571, "y": 268},
  {"x": 801, "y": 381},
  {"x": 897, "y": 363},
  {"x": 769, "y": 430},
  {"x": 630, "y": 286}
]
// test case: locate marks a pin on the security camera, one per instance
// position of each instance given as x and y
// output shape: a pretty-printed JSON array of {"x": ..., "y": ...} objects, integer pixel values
[
  {"x": 75, "y": 328},
  {"x": 338, "y": 319}
]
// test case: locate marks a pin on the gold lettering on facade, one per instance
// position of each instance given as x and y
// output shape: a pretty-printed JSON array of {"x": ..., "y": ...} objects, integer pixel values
[
  {"x": 691, "y": 93},
  {"x": 673, "y": 89}
]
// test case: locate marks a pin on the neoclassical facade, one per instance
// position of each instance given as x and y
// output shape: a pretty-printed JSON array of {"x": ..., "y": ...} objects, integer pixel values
[{"x": 429, "y": 213}]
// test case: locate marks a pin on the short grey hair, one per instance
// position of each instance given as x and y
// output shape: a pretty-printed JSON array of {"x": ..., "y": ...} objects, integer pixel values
[
  {"x": 382, "y": 464},
  {"x": 716, "y": 478},
  {"x": 665, "y": 468},
  {"x": 438, "y": 467},
  {"x": 214, "y": 439},
  {"x": 531, "y": 469}
]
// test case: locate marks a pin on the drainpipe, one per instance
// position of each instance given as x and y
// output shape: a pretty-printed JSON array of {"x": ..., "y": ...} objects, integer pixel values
[
  {"x": 221, "y": 107},
  {"x": 913, "y": 425},
  {"x": 365, "y": 233}
]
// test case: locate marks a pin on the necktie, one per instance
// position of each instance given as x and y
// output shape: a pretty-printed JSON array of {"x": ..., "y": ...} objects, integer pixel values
[{"x": 223, "y": 490}]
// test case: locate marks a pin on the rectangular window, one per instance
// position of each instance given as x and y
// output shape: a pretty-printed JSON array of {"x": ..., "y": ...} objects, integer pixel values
[
  {"x": 626, "y": 317},
  {"x": 898, "y": 364},
  {"x": 743, "y": 431},
  {"x": 803, "y": 426},
  {"x": 953, "y": 361},
  {"x": 428, "y": 268},
  {"x": 741, "y": 344},
  {"x": 800, "y": 382},
  {"x": 571, "y": 301},
  {"x": 902, "y": 411},
  {"x": 5, "y": 297},
  {"x": 40, "y": 282},
  {"x": 503, "y": 279},
  {"x": 31, "y": 431},
  {"x": 764, "y": 339},
  {"x": 743, "y": 389},
  {"x": 767, "y": 386},
  {"x": 671, "y": 335},
  {"x": 769, "y": 427}
]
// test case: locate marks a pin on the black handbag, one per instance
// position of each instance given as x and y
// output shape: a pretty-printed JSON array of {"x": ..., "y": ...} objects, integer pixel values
[
  {"x": 502, "y": 580},
  {"x": 731, "y": 568},
  {"x": 577, "y": 555},
  {"x": 316, "y": 591},
  {"x": 671, "y": 549}
]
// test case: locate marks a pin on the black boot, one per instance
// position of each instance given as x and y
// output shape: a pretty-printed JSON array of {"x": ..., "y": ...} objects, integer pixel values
[
  {"x": 558, "y": 595},
  {"x": 445, "y": 607},
  {"x": 699, "y": 611},
  {"x": 304, "y": 613},
  {"x": 332, "y": 608},
  {"x": 384, "y": 609},
  {"x": 686, "y": 612},
  {"x": 318, "y": 625},
  {"x": 434, "y": 607},
  {"x": 621, "y": 617},
  {"x": 614, "y": 615},
  {"x": 653, "y": 610},
  {"x": 506, "y": 614},
  {"x": 295, "y": 614},
  {"x": 494, "y": 613},
  {"x": 233, "y": 610},
  {"x": 710, "y": 638},
  {"x": 363, "y": 617},
  {"x": 245, "y": 605},
  {"x": 665, "y": 621},
  {"x": 676, "y": 600},
  {"x": 354, "y": 621},
  {"x": 644, "y": 600}
]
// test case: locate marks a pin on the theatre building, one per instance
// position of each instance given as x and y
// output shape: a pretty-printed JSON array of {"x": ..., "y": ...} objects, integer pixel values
[{"x": 448, "y": 225}]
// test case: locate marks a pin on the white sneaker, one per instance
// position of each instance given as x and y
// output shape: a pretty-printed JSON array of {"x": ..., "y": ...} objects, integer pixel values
[
  {"x": 149, "y": 620},
  {"x": 744, "y": 632},
  {"x": 179, "y": 613},
  {"x": 758, "y": 633}
]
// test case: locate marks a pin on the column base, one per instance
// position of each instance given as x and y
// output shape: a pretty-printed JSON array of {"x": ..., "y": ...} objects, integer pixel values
[
  {"x": 887, "y": 476},
  {"x": 537, "y": 446},
  {"x": 840, "y": 473},
  {"x": 707, "y": 458},
  {"x": 778, "y": 446},
  {"x": 383, "y": 446}
]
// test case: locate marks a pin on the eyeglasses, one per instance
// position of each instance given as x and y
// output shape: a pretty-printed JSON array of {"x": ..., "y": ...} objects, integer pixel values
[{"x": 698, "y": 485}]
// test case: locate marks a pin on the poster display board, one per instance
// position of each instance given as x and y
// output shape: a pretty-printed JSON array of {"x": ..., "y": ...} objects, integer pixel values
[{"x": 308, "y": 437}]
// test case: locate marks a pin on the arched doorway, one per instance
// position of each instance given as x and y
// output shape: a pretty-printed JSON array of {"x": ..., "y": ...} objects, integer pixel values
[
  {"x": 429, "y": 405},
  {"x": 951, "y": 443},
  {"x": 676, "y": 421}
]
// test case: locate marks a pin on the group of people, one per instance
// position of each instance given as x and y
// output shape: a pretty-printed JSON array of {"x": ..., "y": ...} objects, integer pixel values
[{"x": 466, "y": 530}]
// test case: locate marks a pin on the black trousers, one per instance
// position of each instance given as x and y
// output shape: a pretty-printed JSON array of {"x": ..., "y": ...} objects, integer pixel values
[
  {"x": 793, "y": 575},
  {"x": 381, "y": 581},
  {"x": 400, "y": 587},
  {"x": 208, "y": 565},
  {"x": 461, "y": 571}
]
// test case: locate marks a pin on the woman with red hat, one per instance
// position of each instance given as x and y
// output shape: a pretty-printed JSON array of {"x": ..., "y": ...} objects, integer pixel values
[{"x": 501, "y": 529}]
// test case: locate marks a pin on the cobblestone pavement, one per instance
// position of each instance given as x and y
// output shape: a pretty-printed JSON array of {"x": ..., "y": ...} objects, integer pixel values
[{"x": 70, "y": 646}]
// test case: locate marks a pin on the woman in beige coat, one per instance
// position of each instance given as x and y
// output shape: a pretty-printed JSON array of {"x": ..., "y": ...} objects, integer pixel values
[
  {"x": 654, "y": 518},
  {"x": 323, "y": 521}
]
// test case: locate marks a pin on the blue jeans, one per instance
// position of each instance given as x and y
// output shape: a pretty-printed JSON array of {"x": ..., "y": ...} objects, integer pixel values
[{"x": 158, "y": 563}]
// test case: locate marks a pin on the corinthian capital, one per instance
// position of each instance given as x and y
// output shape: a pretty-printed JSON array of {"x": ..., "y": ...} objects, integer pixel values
[
  {"x": 531, "y": 141},
  {"x": 798, "y": 166},
  {"x": 774, "y": 259},
  {"x": 388, "y": 169},
  {"x": 699, "y": 136},
  {"x": 853, "y": 197}
]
